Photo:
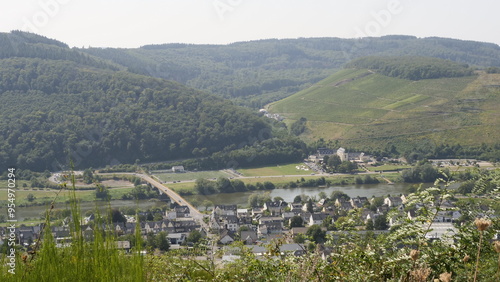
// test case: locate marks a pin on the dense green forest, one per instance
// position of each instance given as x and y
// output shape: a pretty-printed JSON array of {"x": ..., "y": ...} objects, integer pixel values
[
  {"x": 255, "y": 73},
  {"x": 54, "y": 110},
  {"x": 269, "y": 151},
  {"x": 29, "y": 45},
  {"x": 413, "y": 68}
]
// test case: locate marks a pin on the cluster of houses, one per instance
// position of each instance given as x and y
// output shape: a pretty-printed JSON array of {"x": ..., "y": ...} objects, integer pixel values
[
  {"x": 268, "y": 222},
  {"x": 257, "y": 225},
  {"x": 271, "y": 221},
  {"x": 176, "y": 222}
]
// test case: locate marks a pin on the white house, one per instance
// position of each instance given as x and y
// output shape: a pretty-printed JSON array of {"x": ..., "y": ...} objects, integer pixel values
[
  {"x": 317, "y": 218},
  {"x": 178, "y": 168},
  {"x": 230, "y": 222},
  {"x": 225, "y": 210},
  {"x": 393, "y": 201},
  {"x": 242, "y": 212},
  {"x": 295, "y": 207},
  {"x": 176, "y": 238},
  {"x": 276, "y": 207}
]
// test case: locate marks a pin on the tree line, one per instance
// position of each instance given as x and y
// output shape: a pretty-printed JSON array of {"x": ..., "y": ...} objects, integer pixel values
[
  {"x": 276, "y": 150},
  {"x": 413, "y": 68},
  {"x": 224, "y": 185}
]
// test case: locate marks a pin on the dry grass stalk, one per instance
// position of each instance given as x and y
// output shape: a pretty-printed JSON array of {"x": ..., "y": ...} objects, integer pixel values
[
  {"x": 414, "y": 254},
  {"x": 482, "y": 224},
  {"x": 496, "y": 246},
  {"x": 420, "y": 274},
  {"x": 466, "y": 258},
  {"x": 445, "y": 277}
]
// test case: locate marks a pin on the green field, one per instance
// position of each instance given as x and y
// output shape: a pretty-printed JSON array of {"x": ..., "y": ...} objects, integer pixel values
[
  {"x": 387, "y": 167},
  {"x": 359, "y": 107},
  {"x": 45, "y": 195},
  {"x": 183, "y": 187},
  {"x": 289, "y": 169},
  {"x": 170, "y": 177}
]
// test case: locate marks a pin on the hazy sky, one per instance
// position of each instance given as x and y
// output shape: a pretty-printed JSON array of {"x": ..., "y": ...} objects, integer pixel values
[{"x": 133, "y": 23}]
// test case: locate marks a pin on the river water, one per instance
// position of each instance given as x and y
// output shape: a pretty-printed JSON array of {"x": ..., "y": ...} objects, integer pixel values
[{"x": 365, "y": 190}]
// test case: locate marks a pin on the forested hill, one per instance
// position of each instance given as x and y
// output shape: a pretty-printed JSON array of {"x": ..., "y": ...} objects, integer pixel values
[
  {"x": 413, "y": 68},
  {"x": 258, "y": 72},
  {"x": 54, "y": 109},
  {"x": 30, "y": 45}
]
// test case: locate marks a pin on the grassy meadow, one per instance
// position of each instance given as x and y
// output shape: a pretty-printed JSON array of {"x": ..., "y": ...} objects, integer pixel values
[
  {"x": 387, "y": 167},
  {"x": 170, "y": 177},
  {"x": 288, "y": 169},
  {"x": 46, "y": 195}
]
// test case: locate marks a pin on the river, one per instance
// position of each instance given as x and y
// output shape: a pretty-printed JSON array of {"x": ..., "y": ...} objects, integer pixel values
[{"x": 364, "y": 190}]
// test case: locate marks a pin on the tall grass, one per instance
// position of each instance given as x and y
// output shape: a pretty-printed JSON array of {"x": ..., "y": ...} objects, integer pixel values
[{"x": 87, "y": 256}]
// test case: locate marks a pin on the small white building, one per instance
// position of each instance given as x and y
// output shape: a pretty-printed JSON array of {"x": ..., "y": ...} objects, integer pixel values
[
  {"x": 242, "y": 212},
  {"x": 123, "y": 245},
  {"x": 317, "y": 218},
  {"x": 393, "y": 201},
  {"x": 178, "y": 168},
  {"x": 176, "y": 238}
]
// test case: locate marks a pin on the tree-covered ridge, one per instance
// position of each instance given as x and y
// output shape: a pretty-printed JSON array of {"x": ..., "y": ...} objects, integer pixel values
[
  {"x": 52, "y": 109},
  {"x": 413, "y": 68},
  {"x": 17, "y": 36},
  {"x": 255, "y": 73},
  {"x": 30, "y": 45}
]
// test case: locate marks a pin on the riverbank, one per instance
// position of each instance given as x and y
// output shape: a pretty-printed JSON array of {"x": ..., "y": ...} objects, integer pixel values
[
  {"x": 188, "y": 188},
  {"x": 288, "y": 194}
]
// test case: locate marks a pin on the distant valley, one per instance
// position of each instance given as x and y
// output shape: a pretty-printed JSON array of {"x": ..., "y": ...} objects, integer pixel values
[
  {"x": 256, "y": 73},
  {"x": 102, "y": 106}
]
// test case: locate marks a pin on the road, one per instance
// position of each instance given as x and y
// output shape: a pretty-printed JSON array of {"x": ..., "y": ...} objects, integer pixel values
[{"x": 194, "y": 212}]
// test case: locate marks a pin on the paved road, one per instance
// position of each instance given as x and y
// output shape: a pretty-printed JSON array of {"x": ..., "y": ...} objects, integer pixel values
[{"x": 195, "y": 213}]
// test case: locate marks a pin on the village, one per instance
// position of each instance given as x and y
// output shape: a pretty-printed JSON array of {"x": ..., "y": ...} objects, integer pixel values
[{"x": 258, "y": 226}]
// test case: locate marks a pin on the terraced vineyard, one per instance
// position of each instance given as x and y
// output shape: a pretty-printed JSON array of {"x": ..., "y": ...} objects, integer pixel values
[{"x": 361, "y": 107}]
